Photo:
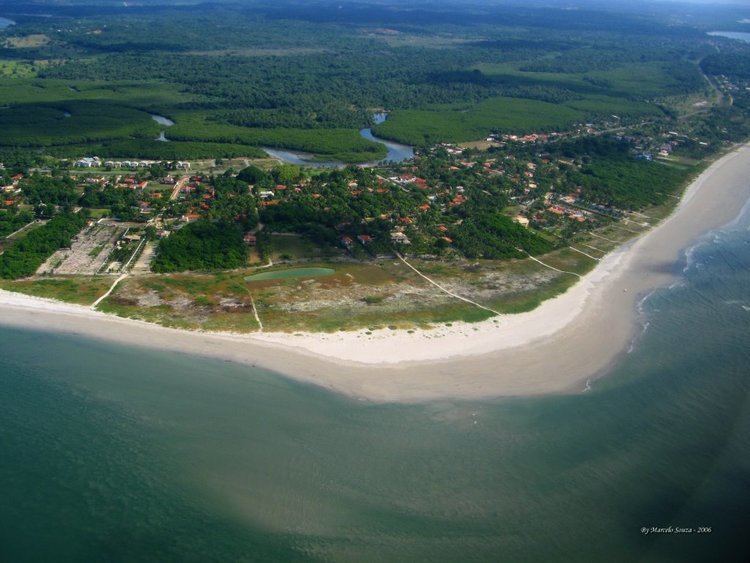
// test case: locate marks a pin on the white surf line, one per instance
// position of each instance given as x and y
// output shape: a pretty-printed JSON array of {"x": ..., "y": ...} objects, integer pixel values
[
  {"x": 255, "y": 314},
  {"x": 441, "y": 288},
  {"x": 582, "y": 252},
  {"x": 109, "y": 291},
  {"x": 548, "y": 266},
  {"x": 605, "y": 238}
]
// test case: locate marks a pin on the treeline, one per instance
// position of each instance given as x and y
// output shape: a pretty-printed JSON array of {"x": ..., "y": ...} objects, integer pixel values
[
  {"x": 25, "y": 256},
  {"x": 201, "y": 246}
]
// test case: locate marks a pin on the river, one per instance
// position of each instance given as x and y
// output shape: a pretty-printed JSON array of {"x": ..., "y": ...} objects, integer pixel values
[
  {"x": 161, "y": 120},
  {"x": 396, "y": 151}
]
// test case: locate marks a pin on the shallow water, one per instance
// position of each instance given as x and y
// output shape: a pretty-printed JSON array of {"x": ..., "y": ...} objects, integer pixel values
[{"x": 118, "y": 453}]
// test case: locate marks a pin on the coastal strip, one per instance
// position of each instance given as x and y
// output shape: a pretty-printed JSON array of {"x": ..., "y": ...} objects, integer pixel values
[{"x": 555, "y": 348}]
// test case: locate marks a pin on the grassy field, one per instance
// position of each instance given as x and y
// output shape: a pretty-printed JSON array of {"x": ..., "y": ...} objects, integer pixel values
[{"x": 82, "y": 290}]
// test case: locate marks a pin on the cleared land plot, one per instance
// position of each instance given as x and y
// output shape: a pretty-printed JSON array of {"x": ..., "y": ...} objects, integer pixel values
[
  {"x": 143, "y": 263},
  {"x": 87, "y": 254}
]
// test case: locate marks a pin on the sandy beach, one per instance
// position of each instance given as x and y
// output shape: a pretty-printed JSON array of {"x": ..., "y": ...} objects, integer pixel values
[{"x": 556, "y": 348}]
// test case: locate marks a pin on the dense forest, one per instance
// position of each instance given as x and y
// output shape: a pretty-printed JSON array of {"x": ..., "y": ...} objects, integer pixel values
[
  {"x": 611, "y": 176},
  {"x": 202, "y": 246},
  {"x": 238, "y": 78}
]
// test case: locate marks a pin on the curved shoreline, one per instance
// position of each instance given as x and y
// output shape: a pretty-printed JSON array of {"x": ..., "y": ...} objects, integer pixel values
[{"x": 555, "y": 348}]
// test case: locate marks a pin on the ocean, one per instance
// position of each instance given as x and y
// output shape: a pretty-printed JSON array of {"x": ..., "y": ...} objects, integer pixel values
[{"x": 116, "y": 453}]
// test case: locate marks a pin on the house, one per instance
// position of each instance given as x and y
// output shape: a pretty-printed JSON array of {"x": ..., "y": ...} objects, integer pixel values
[
  {"x": 458, "y": 200},
  {"x": 250, "y": 239},
  {"x": 347, "y": 241},
  {"x": 364, "y": 239},
  {"x": 88, "y": 162}
]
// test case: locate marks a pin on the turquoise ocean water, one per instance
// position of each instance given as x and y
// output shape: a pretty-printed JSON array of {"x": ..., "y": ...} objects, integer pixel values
[{"x": 113, "y": 453}]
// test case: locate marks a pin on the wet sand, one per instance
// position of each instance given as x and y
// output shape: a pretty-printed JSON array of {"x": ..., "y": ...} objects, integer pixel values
[{"x": 556, "y": 348}]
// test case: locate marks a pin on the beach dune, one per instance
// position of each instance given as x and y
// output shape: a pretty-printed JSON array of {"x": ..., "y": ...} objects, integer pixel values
[{"x": 559, "y": 347}]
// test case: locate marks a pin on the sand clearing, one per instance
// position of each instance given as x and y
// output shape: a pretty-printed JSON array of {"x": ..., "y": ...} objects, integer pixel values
[{"x": 555, "y": 348}]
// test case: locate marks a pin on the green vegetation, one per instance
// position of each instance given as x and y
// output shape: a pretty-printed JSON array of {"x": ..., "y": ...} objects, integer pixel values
[
  {"x": 48, "y": 190},
  {"x": 610, "y": 176},
  {"x": 233, "y": 78},
  {"x": 83, "y": 290},
  {"x": 200, "y": 246},
  {"x": 620, "y": 112},
  {"x": 487, "y": 235},
  {"x": 25, "y": 256},
  {"x": 73, "y": 122},
  {"x": 429, "y": 126},
  {"x": 291, "y": 273},
  {"x": 11, "y": 220}
]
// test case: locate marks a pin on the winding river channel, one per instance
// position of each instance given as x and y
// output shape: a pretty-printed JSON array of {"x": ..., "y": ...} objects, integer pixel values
[{"x": 396, "y": 151}]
